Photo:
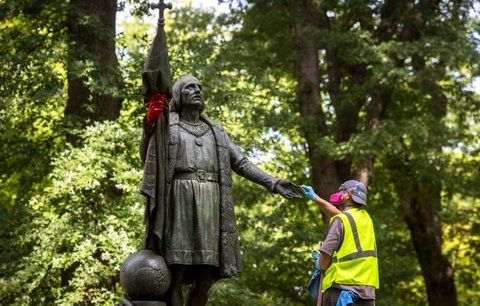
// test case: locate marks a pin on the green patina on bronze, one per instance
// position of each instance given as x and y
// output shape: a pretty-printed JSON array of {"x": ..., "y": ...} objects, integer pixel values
[{"x": 188, "y": 162}]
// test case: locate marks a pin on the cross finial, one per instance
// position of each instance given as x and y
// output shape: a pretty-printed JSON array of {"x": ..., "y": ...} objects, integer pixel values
[{"x": 161, "y": 6}]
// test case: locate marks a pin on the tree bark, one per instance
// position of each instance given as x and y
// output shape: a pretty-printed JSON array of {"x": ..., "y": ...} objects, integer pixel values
[
  {"x": 327, "y": 173},
  {"x": 422, "y": 214},
  {"x": 346, "y": 116},
  {"x": 324, "y": 172},
  {"x": 420, "y": 196},
  {"x": 423, "y": 220},
  {"x": 375, "y": 113},
  {"x": 381, "y": 95},
  {"x": 91, "y": 28}
]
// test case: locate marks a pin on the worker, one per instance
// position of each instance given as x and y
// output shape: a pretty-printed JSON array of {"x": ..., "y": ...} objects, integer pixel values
[{"x": 348, "y": 255}]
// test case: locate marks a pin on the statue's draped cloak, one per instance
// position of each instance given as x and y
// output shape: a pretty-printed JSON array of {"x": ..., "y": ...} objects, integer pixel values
[
  {"x": 230, "y": 263},
  {"x": 156, "y": 79}
]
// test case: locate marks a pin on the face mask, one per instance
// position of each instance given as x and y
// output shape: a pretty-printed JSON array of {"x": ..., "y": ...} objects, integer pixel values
[{"x": 336, "y": 198}]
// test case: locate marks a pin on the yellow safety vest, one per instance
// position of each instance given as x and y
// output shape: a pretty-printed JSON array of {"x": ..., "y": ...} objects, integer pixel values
[{"x": 355, "y": 263}]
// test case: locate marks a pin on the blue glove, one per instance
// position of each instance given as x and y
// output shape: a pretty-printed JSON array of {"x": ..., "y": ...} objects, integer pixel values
[
  {"x": 309, "y": 193},
  {"x": 314, "y": 283},
  {"x": 346, "y": 298}
]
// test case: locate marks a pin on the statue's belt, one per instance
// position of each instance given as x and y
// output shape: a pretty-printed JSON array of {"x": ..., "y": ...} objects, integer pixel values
[{"x": 199, "y": 175}]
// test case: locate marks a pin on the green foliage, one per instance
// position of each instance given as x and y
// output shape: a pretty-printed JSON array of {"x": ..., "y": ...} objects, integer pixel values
[
  {"x": 32, "y": 98},
  {"x": 70, "y": 216},
  {"x": 419, "y": 71},
  {"x": 84, "y": 223},
  {"x": 32, "y": 95}
]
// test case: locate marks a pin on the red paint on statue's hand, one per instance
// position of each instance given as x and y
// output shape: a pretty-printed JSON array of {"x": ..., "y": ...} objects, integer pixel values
[{"x": 158, "y": 102}]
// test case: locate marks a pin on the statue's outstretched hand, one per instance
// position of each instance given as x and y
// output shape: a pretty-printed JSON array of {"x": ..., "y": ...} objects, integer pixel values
[{"x": 288, "y": 190}]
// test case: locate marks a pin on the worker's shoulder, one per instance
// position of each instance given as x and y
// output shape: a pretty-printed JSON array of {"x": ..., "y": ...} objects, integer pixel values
[
  {"x": 337, "y": 217},
  {"x": 337, "y": 220}
]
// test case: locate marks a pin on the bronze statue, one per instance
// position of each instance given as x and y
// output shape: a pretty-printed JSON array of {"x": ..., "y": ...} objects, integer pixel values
[
  {"x": 187, "y": 181},
  {"x": 200, "y": 241}
]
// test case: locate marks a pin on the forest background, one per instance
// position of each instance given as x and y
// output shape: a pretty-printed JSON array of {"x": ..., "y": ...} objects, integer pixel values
[{"x": 314, "y": 91}]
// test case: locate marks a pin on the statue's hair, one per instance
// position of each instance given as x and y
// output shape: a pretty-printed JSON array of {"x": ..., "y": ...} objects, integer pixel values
[{"x": 182, "y": 81}]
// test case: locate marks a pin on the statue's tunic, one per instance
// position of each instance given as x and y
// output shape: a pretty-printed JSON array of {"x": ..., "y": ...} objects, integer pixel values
[
  {"x": 192, "y": 228},
  {"x": 229, "y": 157}
]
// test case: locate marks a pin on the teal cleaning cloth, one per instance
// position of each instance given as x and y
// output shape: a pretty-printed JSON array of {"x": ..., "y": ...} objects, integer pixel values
[
  {"x": 346, "y": 298},
  {"x": 314, "y": 282}
]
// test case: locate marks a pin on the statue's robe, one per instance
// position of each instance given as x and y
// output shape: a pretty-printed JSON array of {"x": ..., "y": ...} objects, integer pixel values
[
  {"x": 229, "y": 158},
  {"x": 192, "y": 225}
]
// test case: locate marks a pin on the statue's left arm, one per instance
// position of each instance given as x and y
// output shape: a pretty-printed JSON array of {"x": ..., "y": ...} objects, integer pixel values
[{"x": 244, "y": 167}]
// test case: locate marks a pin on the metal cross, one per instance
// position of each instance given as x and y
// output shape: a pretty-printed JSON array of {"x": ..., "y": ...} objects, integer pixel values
[{"x": 161, "y": 6}]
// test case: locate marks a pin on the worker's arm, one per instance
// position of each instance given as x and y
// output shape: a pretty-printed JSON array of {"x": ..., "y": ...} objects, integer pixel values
[
  {"x": 325, "y": 261},
  {"x": 327, "y": 208},
  {"x": 329, "y": 246},
  {"x": 332, "y": 243}
]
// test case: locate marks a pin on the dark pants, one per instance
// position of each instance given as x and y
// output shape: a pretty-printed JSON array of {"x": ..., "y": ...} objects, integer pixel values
[{"x": 330, "y": 298}]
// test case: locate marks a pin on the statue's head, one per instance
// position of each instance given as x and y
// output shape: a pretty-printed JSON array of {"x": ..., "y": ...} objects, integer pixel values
[{"x": 187, "y": 92}]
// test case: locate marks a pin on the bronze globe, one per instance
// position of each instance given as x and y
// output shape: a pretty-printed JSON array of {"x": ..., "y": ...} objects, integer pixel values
[{"x": 145, "y": 276}]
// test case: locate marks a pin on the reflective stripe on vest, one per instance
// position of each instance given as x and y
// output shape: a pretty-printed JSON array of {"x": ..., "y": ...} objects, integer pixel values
[{"x": 355, "y": 263}]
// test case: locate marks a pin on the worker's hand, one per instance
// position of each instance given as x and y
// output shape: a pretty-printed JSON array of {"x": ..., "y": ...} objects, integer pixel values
[{"x": 309, "y": 193}]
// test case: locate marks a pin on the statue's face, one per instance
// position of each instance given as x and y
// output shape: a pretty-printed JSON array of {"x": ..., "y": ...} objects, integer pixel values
[{"x": 192, "y": 95}]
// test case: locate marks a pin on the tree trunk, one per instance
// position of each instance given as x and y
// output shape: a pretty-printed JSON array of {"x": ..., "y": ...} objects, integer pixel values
[
  {"x": 327, "y": 173},
  {"x": 422, "y": 213},
  {"x": 324, "y": 172},
  {"x": 375, "y": 114},
  {"x": 95, "y": 96},
  {"x": 421, "y": 197},
  {"x": 423, "y": 220}
]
